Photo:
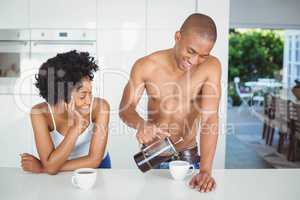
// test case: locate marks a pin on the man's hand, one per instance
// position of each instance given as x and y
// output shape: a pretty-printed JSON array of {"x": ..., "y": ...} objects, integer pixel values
[
  {"x": 203, "y": 182},
  {"x": 30, "y": 163},
  {"x": 149, "y": 132}
]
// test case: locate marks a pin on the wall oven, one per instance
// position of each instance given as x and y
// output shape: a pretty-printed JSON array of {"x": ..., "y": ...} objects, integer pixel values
[
  {"x": 45, "y": 44},
  {"x": 14, "y": 57}
]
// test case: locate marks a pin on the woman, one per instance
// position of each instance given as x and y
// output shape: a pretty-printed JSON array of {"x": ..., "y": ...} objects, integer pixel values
[{"x": 71, "y": 127}]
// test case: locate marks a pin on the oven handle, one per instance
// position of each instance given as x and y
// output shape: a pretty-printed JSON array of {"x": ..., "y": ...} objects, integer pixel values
[
  {"x": 89, "y": 43},
  {"x": 14, "y": 42}
]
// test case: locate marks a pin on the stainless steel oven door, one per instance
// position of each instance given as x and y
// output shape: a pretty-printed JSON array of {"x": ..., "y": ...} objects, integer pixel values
[{"x": 14, "y": 58}]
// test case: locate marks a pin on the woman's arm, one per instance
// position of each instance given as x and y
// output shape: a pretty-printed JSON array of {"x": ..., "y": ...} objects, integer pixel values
[
  {"x": 97, "y": 146},
  {"x": 99, "y": 139},
  {"x": 51, "y": 158}
]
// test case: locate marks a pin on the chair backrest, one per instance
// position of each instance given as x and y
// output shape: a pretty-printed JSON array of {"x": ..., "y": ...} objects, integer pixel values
[
  {"x": 282, "y": 110},
  {"x": 267, "y": 103},
  {"x": 236, "y": 85},
  {"x": 295, "y": 117}
]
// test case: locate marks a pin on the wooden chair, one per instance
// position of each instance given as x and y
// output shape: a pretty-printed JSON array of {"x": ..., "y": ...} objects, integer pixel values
[
  {"x": 270, "y": 120},
  {"x": 283, "y": 119},
  {"x": 267, "y": 107},
  {"x": 294, "y": 135},
  {"x": 280, "y": 116}
]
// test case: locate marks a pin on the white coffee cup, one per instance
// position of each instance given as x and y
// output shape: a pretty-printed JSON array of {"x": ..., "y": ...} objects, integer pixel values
[
  {"x": 84, "y": 178},
  {"x": 180, "y": 169}
]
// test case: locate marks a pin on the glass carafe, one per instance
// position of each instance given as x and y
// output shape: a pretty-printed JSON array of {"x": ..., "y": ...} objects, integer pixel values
[{"x": 151, "y": 156}]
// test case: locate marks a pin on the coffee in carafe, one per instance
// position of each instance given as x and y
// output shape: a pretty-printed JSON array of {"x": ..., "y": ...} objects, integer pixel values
[{"x": 151, "y": 156}]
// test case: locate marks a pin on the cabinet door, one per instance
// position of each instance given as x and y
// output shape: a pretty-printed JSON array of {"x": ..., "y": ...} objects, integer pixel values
[
  {"x": 168, "y": 13},
  {"x": 158, "y": 39},
  {"x": 121, "y": 14},
  {"x": 164, "y": 18},
  {"x": 14, "y": 14},
  {"x": 63, "y": 14},
  {"x": 16, "y": 132}
]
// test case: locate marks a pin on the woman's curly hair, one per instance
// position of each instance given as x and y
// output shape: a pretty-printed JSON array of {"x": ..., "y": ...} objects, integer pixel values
[{"x": 58, "y": 76}]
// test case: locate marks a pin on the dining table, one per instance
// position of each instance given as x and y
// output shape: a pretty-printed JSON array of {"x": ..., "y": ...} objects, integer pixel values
[
  {"x": 264, "y": 86},
  {"x": 131, "y": 184}
]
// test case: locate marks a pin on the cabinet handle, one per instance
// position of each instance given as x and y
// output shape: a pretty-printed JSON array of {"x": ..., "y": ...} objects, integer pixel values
[
  {"x": 13, "y": 42},
  {"x": 63, "y": 43}
]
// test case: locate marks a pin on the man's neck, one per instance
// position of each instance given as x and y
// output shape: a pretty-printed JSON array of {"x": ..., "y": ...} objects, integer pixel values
[{"x": 173, "y": 62}]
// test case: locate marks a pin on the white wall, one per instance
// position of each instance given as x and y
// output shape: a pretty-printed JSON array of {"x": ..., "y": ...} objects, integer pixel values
[
  {"x": 219, "y": 11},
  {"x": 126, "y": 31},
  {"x": 265, "y": 14},
  {"x": 15, "y": 128},
  {"x": 14, "y": 14}
]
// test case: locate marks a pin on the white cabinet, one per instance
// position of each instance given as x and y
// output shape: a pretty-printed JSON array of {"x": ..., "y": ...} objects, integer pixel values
[
  {"x": 164, "y": 18},
  {"x": 158, "y": 39},
  {"x": 14, "y": 14},
  {"x": 121, "y": 41},
  {"x": 120, "y": 48},
  {"x": 16, "y": 131},
  {"x": 121, "y": 14},
  {"x": 168, "y": 13},
  {"x": 63, "y": 14}
]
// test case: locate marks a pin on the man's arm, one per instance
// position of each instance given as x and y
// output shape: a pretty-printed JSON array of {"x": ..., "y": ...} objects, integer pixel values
[
  {"x": 147, "y": 132},
  {"x": 209, "y": 106},
  {"x": 211, "y": 92},
  {"x": 131, "y": 96}
]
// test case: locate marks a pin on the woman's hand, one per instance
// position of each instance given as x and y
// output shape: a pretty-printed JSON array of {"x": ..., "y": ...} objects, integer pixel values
[
  {"x": 77, "y": 120},
  {"x": 30, "y": 163}
]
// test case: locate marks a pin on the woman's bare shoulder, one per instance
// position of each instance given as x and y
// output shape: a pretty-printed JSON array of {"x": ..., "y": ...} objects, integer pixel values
[
  {"x": 40, "y": 110},
  {"x": 100, "y": 104}
]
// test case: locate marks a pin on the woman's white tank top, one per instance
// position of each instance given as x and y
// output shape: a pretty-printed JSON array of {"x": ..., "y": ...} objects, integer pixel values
[{"x": 83, "y": 141}]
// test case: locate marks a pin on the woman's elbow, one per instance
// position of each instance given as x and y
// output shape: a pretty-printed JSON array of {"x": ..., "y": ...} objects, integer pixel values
[
  {"x": 94, "y": 162},
  {"x": 51, "y": 170}
]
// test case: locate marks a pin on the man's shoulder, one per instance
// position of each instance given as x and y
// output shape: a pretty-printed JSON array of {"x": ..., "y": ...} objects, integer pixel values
[
  {"x": 150, "y": 62},
  {"x": 214, "y": 61},
  {"x": 213, "y": 67},
  {"x": 154, "y": 58},
  {"x": 212, "y": 64}
]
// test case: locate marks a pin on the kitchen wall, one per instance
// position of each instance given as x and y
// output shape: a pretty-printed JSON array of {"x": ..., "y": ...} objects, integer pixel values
[
  {"x": 275, "y": 14},
  {"x": 126, "y": 31}
]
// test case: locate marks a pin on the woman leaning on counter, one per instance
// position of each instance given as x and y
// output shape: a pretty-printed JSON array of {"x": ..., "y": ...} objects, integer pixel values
[{"x": 71, "y": 126}]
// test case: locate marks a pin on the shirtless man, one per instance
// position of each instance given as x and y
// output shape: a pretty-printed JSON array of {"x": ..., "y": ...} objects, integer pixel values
[{"x": 183, "y": 89}]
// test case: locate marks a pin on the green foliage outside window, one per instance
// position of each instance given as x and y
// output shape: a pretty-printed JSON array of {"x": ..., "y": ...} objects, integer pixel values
[{"x": 254, "y": 54}]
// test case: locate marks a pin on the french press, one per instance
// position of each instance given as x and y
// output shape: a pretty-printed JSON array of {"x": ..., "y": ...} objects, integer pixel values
[{"x": 151, "y": 156}]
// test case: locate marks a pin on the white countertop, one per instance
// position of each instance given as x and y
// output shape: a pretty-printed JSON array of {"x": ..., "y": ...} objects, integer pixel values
[{"x": 155, "y": 185}]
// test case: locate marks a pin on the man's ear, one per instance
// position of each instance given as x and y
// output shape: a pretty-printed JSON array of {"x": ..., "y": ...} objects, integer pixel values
[{"x": 177, "y": 36}]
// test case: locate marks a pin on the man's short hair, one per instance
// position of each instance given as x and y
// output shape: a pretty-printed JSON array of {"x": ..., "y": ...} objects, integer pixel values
[{"x": 200, "y": 24}]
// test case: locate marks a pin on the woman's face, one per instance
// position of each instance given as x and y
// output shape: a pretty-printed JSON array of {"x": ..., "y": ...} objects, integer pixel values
[{"x": 83, "y": 96}]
